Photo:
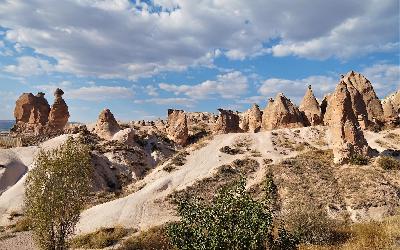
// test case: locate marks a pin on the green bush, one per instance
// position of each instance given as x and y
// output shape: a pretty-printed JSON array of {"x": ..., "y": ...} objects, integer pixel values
[
  {"x": 102, "y": 238},
  {"x": 388, "y": 163},
  {"x": 359, "y": 160},
  {"x": 153, "y": 239},
  {"x": 233, "y": 220},
  {"x": 56, "y": 191}
]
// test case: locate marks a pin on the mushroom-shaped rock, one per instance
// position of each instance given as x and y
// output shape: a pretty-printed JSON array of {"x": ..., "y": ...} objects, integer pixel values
[
  {"x": 177, "y": 127},
  {"x": 227, "y": 122},
  {"x": 106, "y": 125},
  {"x": 282, "y": 113},
  {"x": 311, "y": 109},
  {"x": 345, "y": 132},
  {"x": 59, "y": 114}
]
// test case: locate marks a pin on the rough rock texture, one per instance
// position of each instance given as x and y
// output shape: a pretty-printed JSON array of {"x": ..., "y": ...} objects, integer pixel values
[
  {"x": 177, "y": 129},
  {"x": 106, "y": 125},
  {"x": 227, "y": 122},
  {"x": 281, "y": 113},
  {"x": 310, "y": 108},
  {"x": 59, "y": 114},
  {"x": 394, "y": 99},
  {"x": 31, "y": 113},
  {"x": 251, "y": 119},
  {"x": 389, "y": 110},
  {"x": 365, "y": 104},
  {"x": 346, "y": 136}
]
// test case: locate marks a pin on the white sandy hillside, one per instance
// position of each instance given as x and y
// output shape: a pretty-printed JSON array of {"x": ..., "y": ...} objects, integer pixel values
[
  {"x": 17, "y": 162},
  {"x": 147, "y": 207}
]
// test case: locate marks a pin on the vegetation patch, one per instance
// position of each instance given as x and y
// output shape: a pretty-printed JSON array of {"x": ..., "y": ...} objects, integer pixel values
[
  {"x": 178, "y": 160},
  {"x": 358, "y": 159},
  {"x": 22, "y": 225},
  {"x": 102, "y": 238},
  {"x": 231, "y": 151},
  {"x": 153, "y": 239},
  {"x": 388, "y": 163}
]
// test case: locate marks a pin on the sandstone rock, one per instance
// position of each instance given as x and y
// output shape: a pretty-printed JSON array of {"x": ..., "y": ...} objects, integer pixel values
[
  {"x": 394, "y": 99},
  {"x": 345, "y": 132},
  {"x": 281, "y": 113},
  {"x": 126, "y": 136},
  {"x": 106, "y": 125},
  {"x": 31, "y": 112},
  {"x": 227, "y": 122},
  {"x": 59, "y": 114},
  {"x": 177, "y": 129},
  {"x": 365, "y": 103},
  {"x": 251, "y": 119},
  {"x": 311, "y": 109}
]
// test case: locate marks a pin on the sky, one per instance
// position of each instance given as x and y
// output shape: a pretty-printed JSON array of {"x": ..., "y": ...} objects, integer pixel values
[{"x": 139, "y": 58}]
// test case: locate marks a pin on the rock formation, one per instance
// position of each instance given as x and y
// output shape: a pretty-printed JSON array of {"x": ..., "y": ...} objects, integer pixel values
[
  {"x": 281, "y": 113},
  {"x": 310, "y": 108},
  {"x": 227, "y": 122},
  {"x": 251, "y": 119},
  {"x": 106, "y": 125},
  {"x": 345, "y": 132},
  {"x": 177, "y": 127},
  {"x": 59, "y": 114},
  {"x": 31, "y": 113},
  {"x": 394, "y": 99},
  {"x": 365, "y": 104}
]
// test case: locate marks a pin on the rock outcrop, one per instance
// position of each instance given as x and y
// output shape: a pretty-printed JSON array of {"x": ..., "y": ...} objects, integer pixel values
[
  {"x": 251, "y": 119},
  {"x": 310, "y": 108},
  {"x": 394, "y": 100},
  {"x": 281, "y": 113},
  {"x": 227, "y": 122},
  {"x": 106, "y": 125},
  {"x": 365, "y": 104},
  {"x": 31, "y": 113},
  {"x": 346, "y": 135},
  {"x": 59, "y": 114},
  {"x": 177, "y": 127}
]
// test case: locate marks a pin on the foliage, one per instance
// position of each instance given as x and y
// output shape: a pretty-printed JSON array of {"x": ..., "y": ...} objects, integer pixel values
[
  {"x": 56, "y": 191},
  {"x": 104, "y": 237},
  {"x": 233, "y": 220},
  {"x": 388, "y": 163},
  {"x": 153, "y": 239},
  {"x": 231, "y": 151},
  {"x": 358, "y": 159},
  {"x": 22, "y": 224}
]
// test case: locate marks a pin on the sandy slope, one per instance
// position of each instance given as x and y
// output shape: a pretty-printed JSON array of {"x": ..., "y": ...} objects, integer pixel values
[{"x": 145, "y": 208}]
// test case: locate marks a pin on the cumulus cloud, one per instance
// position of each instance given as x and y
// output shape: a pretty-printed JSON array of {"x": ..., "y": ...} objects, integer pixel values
[
  {"x": 384, "y": 77},
  {"x": 28, "y": 65},
  {"x": 89, "y": 93},
  {"x": 182, "y": 101},
  {"x": 229, "y": 85},
  {"x": 119, "y": 38}
]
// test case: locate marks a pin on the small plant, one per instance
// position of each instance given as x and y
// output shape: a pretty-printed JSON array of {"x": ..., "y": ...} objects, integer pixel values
[
  {"x": 358, "y": 159},
  {"x": 267, "y": 161},
  {"x": 255, "y": 153},
  {"x": 178, "y": 160},
  {"x": 231, "y": 151},
  {"x": 388, "y": 163},
  {"x": 153, "y": 239},
  {"x": 169, "y": 168},
  {"x": 22, "y": 225},
  {"x": 102, "y": 238}
]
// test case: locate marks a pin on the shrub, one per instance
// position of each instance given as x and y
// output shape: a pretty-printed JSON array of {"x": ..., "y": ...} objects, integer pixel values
[
  {"x": 359, "y": 160},
  {"x": 230, "y": 151},
  {"x": 153, "y": 239},
  {"x": 102, "y": 238},
  {"x": 388, "y": 163},
  {"x": 56, "y": 191},
  {"x": 22, "y": 224}
]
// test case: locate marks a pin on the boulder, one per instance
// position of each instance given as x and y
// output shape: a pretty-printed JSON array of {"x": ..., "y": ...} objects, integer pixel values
[
  {"x": 346, "y": 135},
  {"x": 251, "y": 119},
  {"x": 106, "y": 125},
  {"x": 281, "y": 113},
  {"x": 177, "y": 127},
  {"x": 310, "y": 108},
  {"x": 227, "y": 122},
  {"x": 59, "y": 114}
]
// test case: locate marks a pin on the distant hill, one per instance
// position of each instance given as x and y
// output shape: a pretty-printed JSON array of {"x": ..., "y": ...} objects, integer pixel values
[{"x": 6, "y": 125}]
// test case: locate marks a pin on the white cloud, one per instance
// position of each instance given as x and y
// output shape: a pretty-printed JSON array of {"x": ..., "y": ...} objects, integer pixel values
[
  {"x": 28, "y": 65},
  {"x": 121, "y": 39},
  {"x": 181, "y": 101},
  {"x": 229, "y": 85},
  {"x": 384, "y": 77},
  {"x": 90, "y": 93}
]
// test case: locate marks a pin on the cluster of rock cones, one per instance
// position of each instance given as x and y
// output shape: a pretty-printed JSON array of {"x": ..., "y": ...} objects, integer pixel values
[{"x": 350, "y": 109}]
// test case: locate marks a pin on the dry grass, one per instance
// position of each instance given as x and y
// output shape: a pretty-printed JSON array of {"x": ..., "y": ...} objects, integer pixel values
[
  {"x": 153, "y": 239},
  {"x": 388, "y": 163},
  {"x": 102, "y": 238},
  {"x": 178, "y": 160}
]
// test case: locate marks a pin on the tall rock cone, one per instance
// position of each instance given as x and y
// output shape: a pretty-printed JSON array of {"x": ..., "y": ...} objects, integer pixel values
[
  {"x": 177, "y": 127},
  {"x": 106, "y": 126},
  {"x": 251, "y": 120},
  {"x": 311, "y": 109},
  {"x": 365, "y": 104},
  {"x": 282, "y": 113},
  {"x": 346, "y": 136},
  {"x": 59, "y": 114}
]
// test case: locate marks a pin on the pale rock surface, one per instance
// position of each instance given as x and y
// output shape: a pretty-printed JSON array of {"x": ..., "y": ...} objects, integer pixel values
[
  {"x": 311, "y": 109},
  {"x": 177, "y": 129},
  {"x": 106, "y": 126},
  {"x": 251, "y": 119},
  {"x": 227, "y": 122},
  {"x": 59, "y": 114}
]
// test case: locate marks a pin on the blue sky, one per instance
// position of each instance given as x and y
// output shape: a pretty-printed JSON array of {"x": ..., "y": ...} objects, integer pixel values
[{"x": 140, "y": 58}]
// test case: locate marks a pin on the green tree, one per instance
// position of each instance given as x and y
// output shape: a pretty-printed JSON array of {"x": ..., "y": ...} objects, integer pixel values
[{"x": 56, "y": 192}]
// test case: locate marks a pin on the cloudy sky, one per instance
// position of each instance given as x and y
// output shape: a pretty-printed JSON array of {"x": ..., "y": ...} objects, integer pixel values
[{"x": 139, "y": 58}]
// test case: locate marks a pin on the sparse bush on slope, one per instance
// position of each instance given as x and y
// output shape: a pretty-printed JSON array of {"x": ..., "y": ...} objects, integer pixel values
[
  {"x": 388, "y": 163},
  {"x": 56, "y": 191}
]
